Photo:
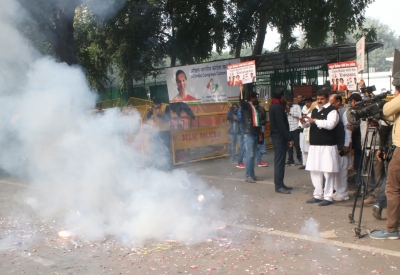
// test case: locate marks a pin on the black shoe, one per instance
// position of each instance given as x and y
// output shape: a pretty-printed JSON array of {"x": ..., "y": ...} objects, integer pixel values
[
  {"x": 313, "y": 200},
  {"x": 302, "y": 167},
  {"x": 287, "y": 187},
  {"x": 377, "y": 212},
  {"x": 324, "y": 203},
  {"x": 282, "y": 191}
]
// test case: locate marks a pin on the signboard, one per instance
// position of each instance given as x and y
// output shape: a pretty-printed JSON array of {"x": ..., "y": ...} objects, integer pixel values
[
  {"x": 343, "y": 76},
  {"x": 396, "y": 62},
  {"x": 203, "y": 136},
  {"x": 201, "y": 83},
  {"x": 360, "y": 52},
  {"x": 241, "y": 73}
]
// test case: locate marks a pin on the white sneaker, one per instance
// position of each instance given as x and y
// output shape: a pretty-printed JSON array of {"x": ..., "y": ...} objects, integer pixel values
[{"x": 341, "y": 198}]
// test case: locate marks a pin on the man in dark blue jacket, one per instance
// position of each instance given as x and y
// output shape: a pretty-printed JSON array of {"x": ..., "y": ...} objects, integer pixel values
[
  {"x": 251, "y": 132},
  {"x": 281, "y": 138}
]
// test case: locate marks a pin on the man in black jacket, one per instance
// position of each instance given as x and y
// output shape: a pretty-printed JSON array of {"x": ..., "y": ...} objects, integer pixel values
[
  {"x": 251, "y": 132},
  {"x": 281, "y": 139}
]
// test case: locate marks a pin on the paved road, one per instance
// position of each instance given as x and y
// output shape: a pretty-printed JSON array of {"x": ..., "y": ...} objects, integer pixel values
[{"x": 264, "y": 233}]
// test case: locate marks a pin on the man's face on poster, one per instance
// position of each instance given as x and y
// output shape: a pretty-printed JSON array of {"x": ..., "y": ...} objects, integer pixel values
[{"x": 181, "y": 83}]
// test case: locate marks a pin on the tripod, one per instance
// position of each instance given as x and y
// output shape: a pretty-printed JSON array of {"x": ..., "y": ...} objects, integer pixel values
[{"x": 367, "y": 157}]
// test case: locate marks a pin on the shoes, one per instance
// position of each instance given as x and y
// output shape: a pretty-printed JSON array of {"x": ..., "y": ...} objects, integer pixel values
[
  {"x": 313, "y": 200},
  {"x": 287, "y": 187},
  {"x": 302, "y": 167},
  {"x": 262, "y": 164},
  {"x": 377, "y": 212},
  {"x": 241, "y": 165},
  {"x": 341, "y": 198},
  {"x": 282, "y": 191},
  {"x": 250, "y": 180},
  {"x": 290, "y": 164},
  {"x": 383, "y": 235},
  {"x": 257, "y": 178},
  {"x": 370, "y": 200},
  {"x": 325, "y": 203}
]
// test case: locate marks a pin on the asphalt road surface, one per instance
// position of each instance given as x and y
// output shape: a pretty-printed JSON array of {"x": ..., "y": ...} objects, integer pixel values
[{"x": 264, "y": 233}]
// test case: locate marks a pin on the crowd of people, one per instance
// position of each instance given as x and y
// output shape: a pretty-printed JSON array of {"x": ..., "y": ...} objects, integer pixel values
[{"x": 321, "y": 134}]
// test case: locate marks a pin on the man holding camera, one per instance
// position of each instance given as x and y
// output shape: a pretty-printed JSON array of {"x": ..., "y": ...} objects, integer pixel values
[{"x": 392, "y": 109}]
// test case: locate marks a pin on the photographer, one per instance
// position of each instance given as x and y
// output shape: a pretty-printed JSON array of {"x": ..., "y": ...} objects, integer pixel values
[
  {"x": 356, "y": 132},
  {"x": 392, "y": 110},
  {"x": 385, "y": 142}
]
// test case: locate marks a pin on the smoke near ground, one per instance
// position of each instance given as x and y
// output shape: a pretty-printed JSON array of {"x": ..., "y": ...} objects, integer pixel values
[{"x": 84, "y": 168}]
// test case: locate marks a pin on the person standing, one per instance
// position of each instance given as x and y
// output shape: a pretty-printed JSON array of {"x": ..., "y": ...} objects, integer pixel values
[
  {"x": 251, "y": 131},
  {"x": 293, "y": 112},
  {"x": 305, "y": 135},
  {"x": 161, "y": 115},
  {"x": 323, "y": 154},
  {"x": 234, "y": 129},
  {"x": 343, "y": 143},
  {"x": 281, "y": 139},
  {"x": 392, "y": 109},
  {"x": 261, "y": 147},
  {"x": 300, "y": 101}
]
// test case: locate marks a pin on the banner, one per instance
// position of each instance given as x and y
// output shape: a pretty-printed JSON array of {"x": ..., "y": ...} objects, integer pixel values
[
  {"x": 360, "y": 52},
  {"x": 201, "y": 83},
  {"x": 343, "y": 76},
  {"x": 241, "y": 73}
]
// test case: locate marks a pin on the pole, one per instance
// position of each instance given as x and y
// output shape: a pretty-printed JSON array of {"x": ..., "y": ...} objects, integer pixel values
[{"x": 368, "y": 65}]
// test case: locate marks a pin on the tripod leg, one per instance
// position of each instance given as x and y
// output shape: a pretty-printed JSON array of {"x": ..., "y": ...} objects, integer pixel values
[{"x": 351, "y": 216}]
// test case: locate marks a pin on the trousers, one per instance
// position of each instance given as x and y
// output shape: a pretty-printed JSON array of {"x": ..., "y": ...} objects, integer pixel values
[
  {"x": 393, "y": 193},
  {"x": 317, "y": 179}
]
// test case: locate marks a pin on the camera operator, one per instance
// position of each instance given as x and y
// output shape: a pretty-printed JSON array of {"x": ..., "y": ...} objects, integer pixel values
[
  {"x": 356, "y": 132},
  {"x": 385, "y": 142},
  {"x": 392, "y": 109}
]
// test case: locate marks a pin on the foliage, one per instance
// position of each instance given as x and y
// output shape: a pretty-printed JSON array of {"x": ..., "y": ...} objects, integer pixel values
[{"x": 138, "y": 35}]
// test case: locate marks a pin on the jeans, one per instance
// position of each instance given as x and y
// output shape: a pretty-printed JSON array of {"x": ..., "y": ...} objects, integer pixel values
[
  {"x": 250, "y": 145},
  {"x": 162, "y": 146},
  {"x": 381, "y": 196},
  {"x": 235, "y": 138},
  {"x": 261, "y": 150},
  {"x": 241, "y": 149},
  {"x": 280, "y": 149},
  {"x": 296, "y": 139}
]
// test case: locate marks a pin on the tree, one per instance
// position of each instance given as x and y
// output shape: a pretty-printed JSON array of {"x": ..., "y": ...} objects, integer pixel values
[
  {"x": 54, "y": 20},
  {"x": 383, "y": 34}
]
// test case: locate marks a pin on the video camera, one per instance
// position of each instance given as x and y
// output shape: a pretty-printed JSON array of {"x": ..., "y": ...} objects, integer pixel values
[{"x": 371, "y": 108}]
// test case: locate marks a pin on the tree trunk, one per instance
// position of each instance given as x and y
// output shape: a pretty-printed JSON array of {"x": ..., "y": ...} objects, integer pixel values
[
  {"x": 239, "y": 43},
  {"x": 64, "y": 45},
  {"x": 262, "y": 29}
]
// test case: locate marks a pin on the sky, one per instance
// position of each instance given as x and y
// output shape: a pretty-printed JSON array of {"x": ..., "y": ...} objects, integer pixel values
[{"x": 385, "y": 11}]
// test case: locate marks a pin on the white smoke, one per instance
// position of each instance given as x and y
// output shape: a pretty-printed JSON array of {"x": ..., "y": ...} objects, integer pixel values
[{"x": 86, "y": 168}]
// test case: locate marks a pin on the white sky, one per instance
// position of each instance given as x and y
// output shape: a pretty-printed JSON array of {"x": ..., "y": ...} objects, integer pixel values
[{"x": 386, "y": 11}]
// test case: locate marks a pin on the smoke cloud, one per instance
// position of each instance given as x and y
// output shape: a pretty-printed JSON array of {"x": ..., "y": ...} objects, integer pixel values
[{"x": 85, "y": 168}]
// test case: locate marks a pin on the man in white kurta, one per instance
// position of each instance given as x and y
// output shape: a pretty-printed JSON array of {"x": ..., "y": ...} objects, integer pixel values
[
  {"x": 340, "y": 185},
  {"x": 323, "y": 153}
]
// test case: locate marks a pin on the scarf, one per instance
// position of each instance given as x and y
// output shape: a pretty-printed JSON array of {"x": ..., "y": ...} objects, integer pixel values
[
  {"x": 255, "y": 116},
  {"x": 278, "y": 101}
]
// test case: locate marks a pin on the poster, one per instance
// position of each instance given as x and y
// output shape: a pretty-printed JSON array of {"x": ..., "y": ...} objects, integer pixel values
[
  {"x": 201, "y": 83},
  {"x": 343, "y": 76},
  {"x": 241, "y": 73},
  {"x": 360, "y": 52}
]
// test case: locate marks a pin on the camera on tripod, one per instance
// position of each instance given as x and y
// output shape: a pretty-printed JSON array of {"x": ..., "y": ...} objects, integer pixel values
[{"x": 371, "y": 108}]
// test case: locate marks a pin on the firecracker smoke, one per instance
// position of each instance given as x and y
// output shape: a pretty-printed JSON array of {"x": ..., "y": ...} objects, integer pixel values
[{"x": 85, "y": 168}]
